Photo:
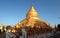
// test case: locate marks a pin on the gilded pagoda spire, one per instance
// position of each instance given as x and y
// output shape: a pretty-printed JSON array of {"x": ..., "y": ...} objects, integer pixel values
[
  {"x": 32, "y": 22},
  {"x": 32, "y": 12}
]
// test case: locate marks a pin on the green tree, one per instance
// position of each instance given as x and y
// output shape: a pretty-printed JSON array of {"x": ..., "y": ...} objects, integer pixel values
[{"x": 58, "y": 26}]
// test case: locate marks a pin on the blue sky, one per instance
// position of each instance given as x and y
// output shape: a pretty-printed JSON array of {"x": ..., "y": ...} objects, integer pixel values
[{"x": 13, "y": 11}]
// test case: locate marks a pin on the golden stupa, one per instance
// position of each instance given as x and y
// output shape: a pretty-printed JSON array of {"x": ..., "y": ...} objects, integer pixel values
[
  {"x": 32, "y": 12},
  {"x": 34, "y": 23}
]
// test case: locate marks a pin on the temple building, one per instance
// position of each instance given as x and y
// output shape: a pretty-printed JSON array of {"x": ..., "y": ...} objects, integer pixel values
[
  {"x": 2, "y": 28},
  {"x": 33, "y": 24}
]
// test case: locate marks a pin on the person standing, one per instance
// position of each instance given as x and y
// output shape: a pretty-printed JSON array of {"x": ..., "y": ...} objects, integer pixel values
[{"x": 8, "y": 35}]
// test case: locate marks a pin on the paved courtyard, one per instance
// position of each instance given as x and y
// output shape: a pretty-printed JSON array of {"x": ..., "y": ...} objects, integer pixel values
[{"x": 3, "y": 35}]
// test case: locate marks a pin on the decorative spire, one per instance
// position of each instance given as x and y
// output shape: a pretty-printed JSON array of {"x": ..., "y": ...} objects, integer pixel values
[{"x": 32, "y": 12}]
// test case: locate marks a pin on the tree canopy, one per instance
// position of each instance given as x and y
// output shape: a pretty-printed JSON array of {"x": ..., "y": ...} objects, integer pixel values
[{"x": 58, "y": 26}]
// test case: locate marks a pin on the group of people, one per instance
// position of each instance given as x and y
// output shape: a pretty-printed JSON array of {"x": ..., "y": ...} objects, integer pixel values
[
  {"x": 18, "y": 35},
  {"x": 11, "y": 35}
]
